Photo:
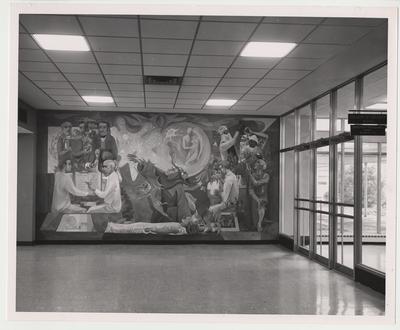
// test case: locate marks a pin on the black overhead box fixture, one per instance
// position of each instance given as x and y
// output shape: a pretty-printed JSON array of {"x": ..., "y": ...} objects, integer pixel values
[
  {"x": 163, "y": 80},
  {"x": 367, "y": 122}
]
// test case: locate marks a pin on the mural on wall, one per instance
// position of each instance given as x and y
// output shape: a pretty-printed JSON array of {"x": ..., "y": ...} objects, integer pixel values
[{"x": 163, "y": 174}]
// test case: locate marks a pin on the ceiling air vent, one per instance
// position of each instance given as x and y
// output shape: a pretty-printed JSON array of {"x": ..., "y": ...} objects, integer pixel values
[{"x": 162, "y": 80}]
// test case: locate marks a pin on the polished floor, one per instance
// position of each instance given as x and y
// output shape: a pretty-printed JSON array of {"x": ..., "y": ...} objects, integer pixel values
[{"x": 240, "y": 279}]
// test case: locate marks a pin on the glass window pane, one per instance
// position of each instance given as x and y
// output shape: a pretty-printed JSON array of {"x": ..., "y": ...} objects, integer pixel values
[
  {"x": 289, "y": 129},
  {"x": 345, "y": 102},
  {"x": 305, "y": 124},
  {"x": 322, "y": 114},
  {"x": 374, "y": 177},
  {"x": 287, "y": 197}
]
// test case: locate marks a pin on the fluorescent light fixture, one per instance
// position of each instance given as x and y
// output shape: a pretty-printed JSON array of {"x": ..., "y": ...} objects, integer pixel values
[
  {"x": 62, "y": 42},
  {"x": 267, "y": 49},
  {"x": 220, "y": 102},
  {"x": 98, "y": 99},
  {"x": 377, "y": 106}
]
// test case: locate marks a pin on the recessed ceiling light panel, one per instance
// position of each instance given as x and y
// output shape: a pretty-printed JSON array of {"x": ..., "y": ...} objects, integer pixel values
[
  {"x": 62, "y": 42},
  {"x": 267, "y": 49},
  {"x": 98, "y": 99},
  {"x": 220, "y": 102}
]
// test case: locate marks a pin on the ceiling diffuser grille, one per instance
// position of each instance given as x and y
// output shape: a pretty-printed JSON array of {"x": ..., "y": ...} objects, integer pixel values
[{"x": 162, "y": 80}]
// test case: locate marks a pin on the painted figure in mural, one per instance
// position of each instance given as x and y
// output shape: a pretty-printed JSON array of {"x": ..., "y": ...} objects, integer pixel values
[
  {"x": 64, "y": 150},
  {"x": 191, "y": 143},
  {"x": 63, "y": 187},
  {"x": 166, "y": 190},
  {"x": 111, "y": 193},
  {"x": 230, "y": 190},
  {"x": 227, "y": 142},
  {"x": 258, "y": 188},
  {"x": 252, "y": 143},
  {"x": 108, "y": 146}
]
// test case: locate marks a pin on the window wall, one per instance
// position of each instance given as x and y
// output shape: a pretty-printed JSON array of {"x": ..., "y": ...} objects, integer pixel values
[{"x": 321, "y": 178}]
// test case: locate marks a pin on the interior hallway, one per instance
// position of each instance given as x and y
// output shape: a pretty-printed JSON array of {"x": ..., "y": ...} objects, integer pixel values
[{"x": 266, "y": 279}]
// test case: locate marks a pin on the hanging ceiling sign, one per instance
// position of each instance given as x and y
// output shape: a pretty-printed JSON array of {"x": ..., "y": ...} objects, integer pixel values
[
  {"x": 368, "y": 130},
  {"x": 367, "y": 118}
]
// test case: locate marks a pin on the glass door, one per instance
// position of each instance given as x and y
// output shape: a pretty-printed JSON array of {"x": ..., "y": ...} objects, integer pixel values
[
  {"x": 321, "y": 203},
  {"x": 344, "y": 208}
]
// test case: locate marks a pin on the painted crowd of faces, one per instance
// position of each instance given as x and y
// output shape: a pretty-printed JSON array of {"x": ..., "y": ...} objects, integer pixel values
[{"x": 171, "y": 169}]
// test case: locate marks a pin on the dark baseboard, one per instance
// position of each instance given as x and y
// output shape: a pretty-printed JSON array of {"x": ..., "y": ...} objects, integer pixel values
[
  {"x": 286, "y": 241},
  {"x": 26, "y": 243},
  {"x": 371, "y": 279}
]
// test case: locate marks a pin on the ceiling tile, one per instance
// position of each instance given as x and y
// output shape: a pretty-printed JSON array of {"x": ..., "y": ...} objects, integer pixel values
[
  {"x": 158, "y": 105},
  {"x": 231, "y": 89},
  {"x": 200, "y": 81},
  {"x": 164, "y": 60},
  {"x": 194, "y": 96},
  {"x": 37, "y": 66},
  {"x": 257, "y": 97},
  {"x": 211, "y": 61},
  {"x": 163, "y": 71},
  {"x": 126, "y": 87},
  {"x": 232, "y": 18},
  {"x": 118, "y": 58},
  {"x": 205, "y": 72},
  {"x": 230, "y": 96},
  {"x": 53, "y": 84},
  {"x": 114, "y": 44},
  {"x": 81, "y": 103},
  {"x": 121, "y": 69},
  {"x": 238, "y": 82},
  {"x": 71, "y": 57},
  {"x": 128, "y": 93},
  {"x": 119, "y": 27},
  {"x": 275, "y": 83},
  {"x": 316, "y": 51},
  {"x": 196, "y": 89},
  {"x": 150, "y": 100},
  {"x": 78, "y": 68},
  {"x": 255, "y": 103},
  {"x": 293, "y": 20},
  {"x": 51, "y": 24},
  {"x": 190, "y": 101},
  {"x": 217, "y": 47},
  {"x": 25, "y": 41},
  {"x": 245, "y": 73},
  {"x": 131, "y": 105},
  {"x": 225, "y": 31},
  {"x": 286, "y": 74},
  {"x": 59, "y": 91},
  {"x": 244, "y": 107},
  {"x": 89, "y": 85},
  {"x": 168, "y": 29},
  {"x": 128, "y": 99},
  {"x": 166, "y": 46},
  {"x": 187, "y": 106},
  {"x": 32, "y": 55},
  {"x": 344, "y": 35},
  {"x": 341, "y": 21},
  {"x": 300, "y": 63},
  {"x": 255, "y": 62},
  {"x": 281, "y": 32},
  {"x": 67, "y": 98},
  {"x": 161, "y": 88},
  {"x": 266, "y": 90},
  {"x": 95, "y": 92},
  {"x": 84, "y": 77},
  {"x": 47, "y": 76},
  {"x": 124, "y": 79},
  {"x": 161, "y": 95}
]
